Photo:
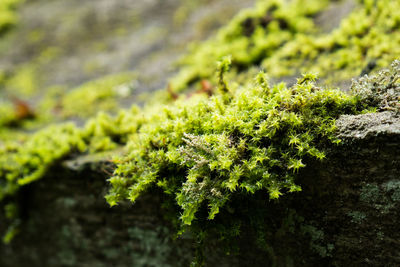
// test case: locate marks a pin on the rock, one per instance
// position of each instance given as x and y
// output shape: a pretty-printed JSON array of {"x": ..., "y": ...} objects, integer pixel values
[{"x": 346, "y": 215}]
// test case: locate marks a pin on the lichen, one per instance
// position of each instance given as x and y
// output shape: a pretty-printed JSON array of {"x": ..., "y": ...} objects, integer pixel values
[
  {"x": 317, "y": 243},
  {"x": 393, "y": 187},
  {"x": 383, "y": 197},
  {"x": 357, "y": 216}
]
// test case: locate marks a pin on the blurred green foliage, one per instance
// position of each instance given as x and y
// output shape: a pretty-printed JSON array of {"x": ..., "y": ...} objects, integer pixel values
[
  {"x": 283, "y": 38},
  {"x": 8, "y": 15}
]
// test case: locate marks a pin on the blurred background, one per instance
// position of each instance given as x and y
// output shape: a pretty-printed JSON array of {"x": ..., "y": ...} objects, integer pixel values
[{"x": 51, "y": 47}]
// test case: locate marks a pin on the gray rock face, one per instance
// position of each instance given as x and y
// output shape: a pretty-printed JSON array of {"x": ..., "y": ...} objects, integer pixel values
[
  {"x": 346, "y": 215},
  {"x": 368, "y": 125},
  {"x": 74, "y": 41}
]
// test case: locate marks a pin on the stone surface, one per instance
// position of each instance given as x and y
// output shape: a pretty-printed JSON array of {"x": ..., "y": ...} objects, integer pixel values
[{"x": 346, "y": 215}]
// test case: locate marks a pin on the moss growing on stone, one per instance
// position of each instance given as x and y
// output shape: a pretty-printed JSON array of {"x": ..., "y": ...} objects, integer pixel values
[
  {"x": 235, "y": 142},
  {"x": 254, "y": 35},
  {"x": 365, "y": 40},
  {"x": 95, "y": 96},
  {"x": 204, "y": 150},
  {"x": 282, "y": 38}
]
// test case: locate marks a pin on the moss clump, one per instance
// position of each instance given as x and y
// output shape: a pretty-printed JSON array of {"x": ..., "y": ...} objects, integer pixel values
[
  {"x": 7, "y": 114},
  {"x": 252, "y": 36},
  {"x": 256, "y": 138},
  {"x": 17, "y": 116},
  {"x": 282, "y": 38},
  {"x": 39, "y": 152},
  {"x": 367, "y": 37},
  {"x": 98, "y": 95},
  {"x": 202, "y": 151},
  {"x": 26, "y": 162}
]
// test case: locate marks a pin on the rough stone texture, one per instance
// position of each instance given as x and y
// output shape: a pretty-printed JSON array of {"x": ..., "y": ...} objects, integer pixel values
[
  {"x": 354, "y": 196},
  {"x": 85, "y": 39},
  {"x": 346, "y": 215}
]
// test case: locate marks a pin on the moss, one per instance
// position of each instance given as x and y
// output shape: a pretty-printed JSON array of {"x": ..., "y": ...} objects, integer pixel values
[
  {"x": 8, "y": 15},
  {"x": 23, "y": 82},
  {"x": 203, "y": 151},
  {"x": 207, "y": 150},
  {"x": 7, "y": 114},
  {"x": 366, "y": 36},
  {"x": 17, "y": 116},
  {"x": 98, "y": 95},
  {"x": 281, "y": 38},
  {"x": 253, "y": 35}
]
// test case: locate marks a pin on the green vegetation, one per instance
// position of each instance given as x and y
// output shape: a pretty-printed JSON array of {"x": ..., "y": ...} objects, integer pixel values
[
  {"x": 254, "y": 35},
  {"x": 8, "y": 16},
  {"x": 255, "y": 138},
  {"x": 98, "y": 95},
  {"x": 282, "y": 38},
  {"x": 204, "y": 150},
  {"x": 237, "y": 138}
]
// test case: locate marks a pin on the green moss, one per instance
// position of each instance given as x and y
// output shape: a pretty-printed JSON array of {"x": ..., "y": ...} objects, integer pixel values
[
  {"x": 281, "y": 38},
  {"x": 205, "y": 150},
  {"x": 23, "y": 81},
  {"x": 23, "y": 165},
  {"x": 8, "y": 15},
  {"x": 7, "y": 114},
  {"x": 98, "y": 95},
  {"x": 255, "y": 34},
  {"x": 367, "y": 35},
  {"x": 256, "y": 138}
]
